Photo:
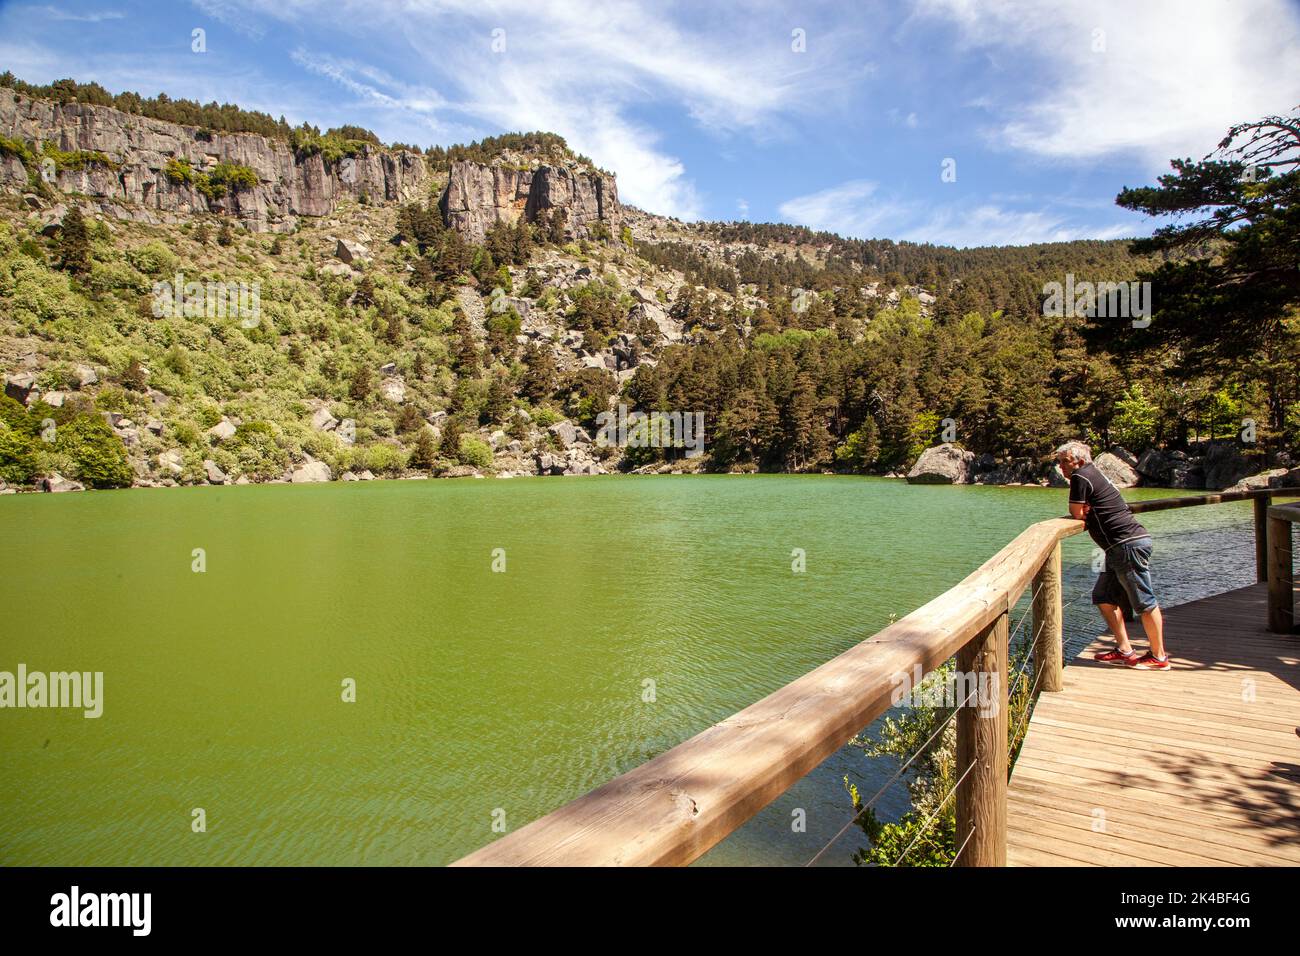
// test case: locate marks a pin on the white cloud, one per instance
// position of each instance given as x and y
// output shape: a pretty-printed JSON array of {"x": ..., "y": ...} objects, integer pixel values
[
  {"x": 1152, "y": 80},
  {"x": 54, "y": 13},
  {"x": 587, "y": 71},
  {"x": 856, "y": 208},
  {"x": 231, "y": 15},
  {"x": 993, "y": 225},
  {"x": 849, "y": 209}
]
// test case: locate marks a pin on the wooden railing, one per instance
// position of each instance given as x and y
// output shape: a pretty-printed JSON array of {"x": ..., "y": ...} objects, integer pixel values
[
  {"x": 675, "y": 807},
  {"x": 1281, "y": 569}
]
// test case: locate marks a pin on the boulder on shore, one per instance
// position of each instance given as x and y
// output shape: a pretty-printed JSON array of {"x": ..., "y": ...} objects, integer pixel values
[
  {"x": 1289, "y": 480},
  {"x": 1120, "y": 473},
  {"x": 1153, "y": 466},
  {"x": 1017, "y": 471},
  {"x": 57, "y": 483},
  {"x": 312, "y": 471},
  {"x": 172, "y": 461},
  {"x": 1224, "y": 465},
  {"x": 1259, "y": 481},
  {"x": 570, "y": 434},
  {"x": 945, "y": 464}
]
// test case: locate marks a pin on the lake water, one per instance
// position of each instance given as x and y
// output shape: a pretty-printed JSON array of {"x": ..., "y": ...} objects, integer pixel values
[{"x": 480, "y": 695}]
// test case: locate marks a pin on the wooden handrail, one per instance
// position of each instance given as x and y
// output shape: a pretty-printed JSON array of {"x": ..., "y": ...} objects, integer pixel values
[
  {"x": 1191, "y": 501},
  {"x": 1281, "y": 568},
  {"x": 674, "y": 808}
]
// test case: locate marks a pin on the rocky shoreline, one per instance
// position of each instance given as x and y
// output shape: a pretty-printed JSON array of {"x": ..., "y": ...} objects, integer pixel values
[
  {"x": 572, "y": 452},
  {"x": 1210, "y": 466}
]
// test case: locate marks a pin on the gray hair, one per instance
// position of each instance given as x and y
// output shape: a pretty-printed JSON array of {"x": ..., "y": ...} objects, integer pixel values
[{"x": 1078, "y": 450}]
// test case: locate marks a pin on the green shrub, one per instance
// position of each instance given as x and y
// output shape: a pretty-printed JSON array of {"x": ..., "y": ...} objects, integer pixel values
[
  {"x": 234, "y": 176},
  {"x": 257, "y": 451},
  {"x": 153, "y": 259},
  {"x": 185, "y": 433},
  {"x": 179, "y": 171},
  {"x": 99, "y": 455},
  {"x": 545, "y": 416},
  {"x": 77, "y": 158},
  {"x": 383, "y": 458},
  {"x": 474, "y": 451},
  {"x": 16, "y": 147},
  {"x": 17, "y": 456}
]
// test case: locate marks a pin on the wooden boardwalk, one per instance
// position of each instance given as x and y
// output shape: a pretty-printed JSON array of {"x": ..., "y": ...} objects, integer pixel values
[{"x": 1197, "y": 766}]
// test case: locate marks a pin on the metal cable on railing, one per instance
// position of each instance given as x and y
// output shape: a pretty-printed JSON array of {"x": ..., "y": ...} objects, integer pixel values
[
  {"x": 957, "y": 856},
  {"x": 1029, "y": 706},
  {"x": 930, "y": 819},
  {"x": 924, "y": 746},
  {"x": 892, "y": 780}
]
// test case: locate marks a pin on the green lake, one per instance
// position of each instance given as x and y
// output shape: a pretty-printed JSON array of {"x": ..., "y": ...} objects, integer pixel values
[{"x": 480, "y": 695}]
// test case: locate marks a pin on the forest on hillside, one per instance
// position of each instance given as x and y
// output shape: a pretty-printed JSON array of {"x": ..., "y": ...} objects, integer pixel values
[{"x": 805, "y": 351}]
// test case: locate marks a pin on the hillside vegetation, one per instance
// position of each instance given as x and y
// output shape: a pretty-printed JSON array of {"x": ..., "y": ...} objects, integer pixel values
[{"x": 386, "y": 343}]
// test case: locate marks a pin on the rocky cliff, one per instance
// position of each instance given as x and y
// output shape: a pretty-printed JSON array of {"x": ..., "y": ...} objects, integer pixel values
[
  {"x": 477, "y": 197},
  {"x": 139, "y": 148}
]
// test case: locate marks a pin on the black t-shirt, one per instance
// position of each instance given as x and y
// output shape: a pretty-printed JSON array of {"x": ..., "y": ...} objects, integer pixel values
[{"x": 1108, "y": 520}]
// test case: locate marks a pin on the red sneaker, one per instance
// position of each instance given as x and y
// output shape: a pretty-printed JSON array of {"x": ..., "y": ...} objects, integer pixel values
[
  {"x": 1149, "y": 662},
  {"x": 1115, "y": 657}
]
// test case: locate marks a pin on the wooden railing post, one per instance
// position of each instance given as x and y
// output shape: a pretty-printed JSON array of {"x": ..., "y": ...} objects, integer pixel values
[
  {"x": 1281, "y": 597},
  {"x": 982, "y": 749},
  {"x": 1261, "y": 538},
  {"x": 1048, "y": 651}
]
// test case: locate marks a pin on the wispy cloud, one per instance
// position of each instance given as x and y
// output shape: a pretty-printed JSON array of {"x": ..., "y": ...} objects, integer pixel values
[
  {"x": 858, "y": 209},
  {"x": 1153, "y": 80},
  {"x": 851, "y": 208},
  {"x": 587, "y": 71},
  {"x": 232, "y": 15},
  {"x": 371, "y": 84},
  {"x": 94, "y": 16}
]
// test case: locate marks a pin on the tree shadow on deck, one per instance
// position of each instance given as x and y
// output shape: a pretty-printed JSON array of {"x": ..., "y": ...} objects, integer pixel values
[{"x": 1250, "y": 777}]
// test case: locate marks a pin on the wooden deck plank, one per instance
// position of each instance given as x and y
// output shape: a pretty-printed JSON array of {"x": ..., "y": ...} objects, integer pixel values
[
  {"x": 1221, "y": 837},
  {"x": 1196, "y": 766}
]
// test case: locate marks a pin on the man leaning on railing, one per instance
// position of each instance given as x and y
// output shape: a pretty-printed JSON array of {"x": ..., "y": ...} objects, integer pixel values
[{"x": 1126, "y": 578}]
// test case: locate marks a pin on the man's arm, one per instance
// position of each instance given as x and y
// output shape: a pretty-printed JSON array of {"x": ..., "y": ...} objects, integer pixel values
[{"x": 1080, "y": 491}]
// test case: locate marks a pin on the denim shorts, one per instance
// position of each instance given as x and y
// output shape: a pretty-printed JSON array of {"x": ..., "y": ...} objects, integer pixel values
[{"x": 1126, "y": 581}]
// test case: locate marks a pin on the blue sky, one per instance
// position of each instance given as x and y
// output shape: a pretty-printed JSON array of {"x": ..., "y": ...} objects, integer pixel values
[{"x": 834, "y": 115}]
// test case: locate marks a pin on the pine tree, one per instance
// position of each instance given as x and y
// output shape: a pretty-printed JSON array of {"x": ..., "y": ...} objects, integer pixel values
[
  {"x": 541, "y": 376},
  {"x": 74, "y": 243},
  {"x": 361, "y": 385},
  {"x": 499, "y": 398},
  {"x": 425, "y": 454},
  {"x": 466, "y": 346}
]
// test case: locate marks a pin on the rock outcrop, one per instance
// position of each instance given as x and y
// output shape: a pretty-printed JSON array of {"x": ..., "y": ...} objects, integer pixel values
[
  {"x": 478, "y": 197},
  {"x": 57, "y": 483},
  {"x": 1224, "y": 465},
  {"x": 1118, "y": 468},
  {"x": 312, "y": 471},
  {"x": 288, "y": 186},
  {"x": 945, "y": 464},
  {"x": 1261, "y": 480}
]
